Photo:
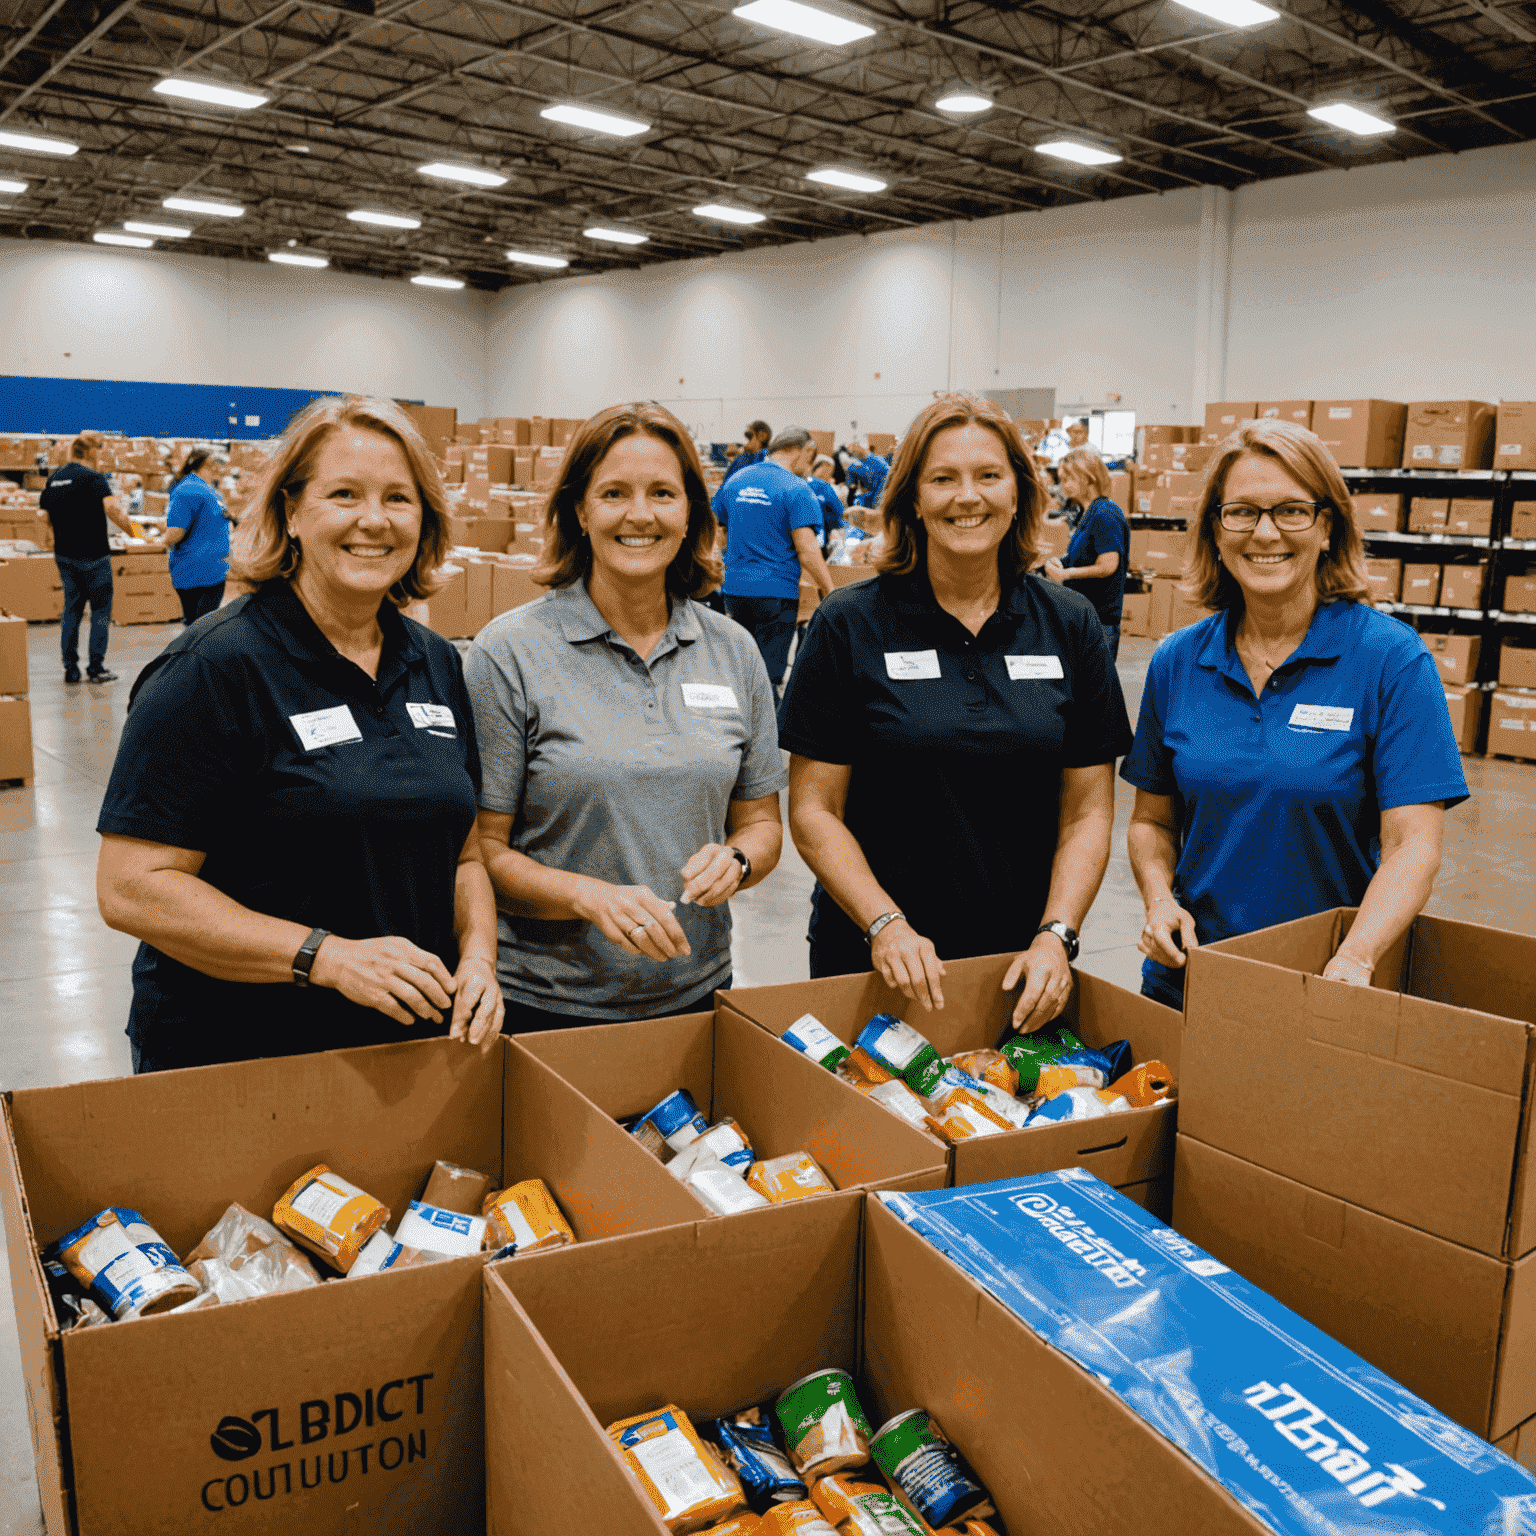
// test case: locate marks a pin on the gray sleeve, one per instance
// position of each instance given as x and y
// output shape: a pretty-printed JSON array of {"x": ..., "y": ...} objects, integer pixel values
[
  {"x": 495, "y": 682},
  {"x": 762, "y": 765}
]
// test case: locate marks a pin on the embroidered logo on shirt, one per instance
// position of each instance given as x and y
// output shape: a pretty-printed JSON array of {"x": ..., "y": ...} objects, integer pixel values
[
  {"x": 907, "y": 666},
  {"x": 424, "y": 716},
  {"x": 325, "y": 728},
  {"x": 753, "y": 493},
  {"x": 709, "y": 696},
  {"x": 1322, "y": 717},
  {"x": 1023, "y": 669}
]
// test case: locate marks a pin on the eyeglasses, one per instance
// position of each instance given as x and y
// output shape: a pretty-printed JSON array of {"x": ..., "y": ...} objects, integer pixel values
[{"x": 1288, "y": 516}]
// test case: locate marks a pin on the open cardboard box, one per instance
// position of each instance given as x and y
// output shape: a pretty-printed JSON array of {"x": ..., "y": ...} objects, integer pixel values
[
  {"x": 1133, "y": 1151},
  {"x": 1411, "y": 1098},
  {"x": 125, "y": 1417},
  {"x": 781, "y": 1099}
]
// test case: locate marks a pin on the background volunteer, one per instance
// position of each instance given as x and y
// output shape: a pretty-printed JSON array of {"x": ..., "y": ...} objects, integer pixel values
[
  {"x": 197, "y": 531},
  {"x": 954, "y": 725},
  {"x": 79, "y": 502},
  {"x": 293, "y": 799},
  {"x": 631, "y": 765},
  {"x": 1101, "y": 540},
  {"x": 1293, "y": 752},
  {"x": 866, "y": 475},
  {"x": 755, "y": 450},
  {"x": 819, "y": 482}
]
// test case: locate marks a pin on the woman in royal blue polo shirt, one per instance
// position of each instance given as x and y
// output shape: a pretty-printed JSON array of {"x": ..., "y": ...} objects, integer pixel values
[
  {"x": 197, "y": 532},
  {"x": 1294, "y": 752}
]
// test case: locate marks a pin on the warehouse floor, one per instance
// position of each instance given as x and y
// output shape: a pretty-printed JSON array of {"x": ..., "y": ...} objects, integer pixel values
[{"x": 64, "y": 977}]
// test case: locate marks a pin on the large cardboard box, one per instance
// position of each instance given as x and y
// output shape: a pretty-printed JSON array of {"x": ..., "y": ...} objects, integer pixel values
[
  {"x": 31, "y": 588},
  {"x": 15, "y": 740},
  {"x": 1297, "y": 412},
  {"x": 1522, "y": 520},
  {"x": 1512, "y": 726},
  {"x": 435, "y": 422},
  {"x": 13, "y": 654},
  {"x": 379, "y": 1378},
  {"x": 1449, "y": 434},
  {"x": 1135, "y": 612},
  {"x": 1519, "y": 594},
  {"x": 1517, "y": 665},
  {"x": 1379, "y": 511},
  {"x": 1514, "y": 438},
  {"x": 1332, "y": 1086},
  {"x": 538, "y": 431},
  {"x": 1183, "y": 611},
  {"x": 1429, "y": 514},
  {"x": 1385, "y": 578},
  {"x": 447, "y": 607},
  {"x": 1455, "y": 655},
  {"x": 146, "y": 608},
  {"x": 1520, "y": 1445},
  {"x": 1132, "y": 1150},
  {"x": 1470, "y": 515},
  {"x": 782, "y": 1100},
  {"x": 1154, "y": 434},
  {"x": 511, "y": 587},
  {"x": 1162, "y": 551},
  {"x": 1362, "y": 434},
  {"x": 493, "y": 461},
  {"x": 847, "y": 575},
  {"x": 1463, "y": 586},
  {"x": 1421, "y": 585},
  {"x": 1121, "y": 487},
  {"x": 491, "y": 535},
  {"x": 1160, "y": 609},
  {"x": 826, "y": 442},
  {"x": 1465, "y": 706},
  {"x": 1224, "y": 417}
]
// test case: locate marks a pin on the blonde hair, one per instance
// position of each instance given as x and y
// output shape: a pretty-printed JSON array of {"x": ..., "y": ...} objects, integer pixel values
[
  {"x": 263, "y": 550},
  {"x": 1340, "y": 568},
  {"x": 1090, "y": 466}
]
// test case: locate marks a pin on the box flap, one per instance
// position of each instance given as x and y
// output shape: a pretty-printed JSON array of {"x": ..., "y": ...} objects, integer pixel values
[
  {"x": 1514, "y": 1400},
  {"x": 1121, "y": 1149},
  {"x": 1469, "y": 966}
]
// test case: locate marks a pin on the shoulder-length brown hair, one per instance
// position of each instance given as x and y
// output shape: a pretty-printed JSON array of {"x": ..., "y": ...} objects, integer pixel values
[
  {"x": 1091, "y": 467},
  {"x": 1340, "y": 569},
  {"x": 906, "y": 540},
  {"x": 262, "y": 550},
  {"x": 567, "y": 553}
]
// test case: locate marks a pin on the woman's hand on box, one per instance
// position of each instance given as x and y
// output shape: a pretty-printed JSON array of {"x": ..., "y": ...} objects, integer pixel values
[
  {"x": 1349, "y": 970},
  {"x": 391, "y": 974},
  {"x": 909, "y": 962},
  {"x": 1165, "y": 919},
  {"x": 478, "y": 1006}
]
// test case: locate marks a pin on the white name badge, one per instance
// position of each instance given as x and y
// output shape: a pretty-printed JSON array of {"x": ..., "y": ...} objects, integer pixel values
[
  {"x": 325, "y": 727},
  {"x": 1023, "y": 669},
  {"x": 908, "y": 666},
  {"x": 1322, "y": 717},
  {"x": 424, "y": 716},
  {"x": 709, "y": 696}
]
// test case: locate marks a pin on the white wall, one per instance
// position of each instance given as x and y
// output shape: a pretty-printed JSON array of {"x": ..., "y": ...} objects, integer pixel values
[{"x": 166, "y": 318}]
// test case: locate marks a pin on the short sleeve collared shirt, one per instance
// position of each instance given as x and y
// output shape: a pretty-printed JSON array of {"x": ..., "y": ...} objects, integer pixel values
[{"x": 620, "y": 769}]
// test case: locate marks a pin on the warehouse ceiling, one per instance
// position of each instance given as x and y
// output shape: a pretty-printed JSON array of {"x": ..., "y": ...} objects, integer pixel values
[{"x": 360, "y": 93}]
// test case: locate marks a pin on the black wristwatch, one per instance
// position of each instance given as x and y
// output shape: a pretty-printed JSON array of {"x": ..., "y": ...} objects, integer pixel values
[
  {"x": 1068, "y": 936},
  {"x": 304, "y": 961},
  {"x": 744, "y": 861}
]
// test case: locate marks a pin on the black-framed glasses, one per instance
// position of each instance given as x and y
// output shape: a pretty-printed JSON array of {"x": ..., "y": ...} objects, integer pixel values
[{"x": 1287, "y": 516}]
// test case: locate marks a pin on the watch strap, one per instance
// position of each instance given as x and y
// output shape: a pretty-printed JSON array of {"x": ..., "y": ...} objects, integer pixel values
[
  {"x": 304, "y": 961},
  {"x": 1068, "y": 937},
  {"x": 743, "y": 860},
  {"x": 881, "y": 922}
]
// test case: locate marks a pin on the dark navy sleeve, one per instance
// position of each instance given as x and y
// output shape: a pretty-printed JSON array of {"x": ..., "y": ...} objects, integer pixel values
[
  {"x": 1098, "y": 729},
  {"x": 819, "y": 717},
  {"x": 1416, "y": 759},
  {"x": 1149, "y": 765}
]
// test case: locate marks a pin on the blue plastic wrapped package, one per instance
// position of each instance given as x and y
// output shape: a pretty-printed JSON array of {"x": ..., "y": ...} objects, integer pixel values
[
  {"x": 747, "y": 1443},
  {"x": 1300, "y": 1431},
  {"x": 670, "y": 1127}
]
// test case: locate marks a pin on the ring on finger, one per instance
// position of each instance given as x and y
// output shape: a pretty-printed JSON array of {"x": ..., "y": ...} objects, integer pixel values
[{"x": 638, "y": 926}]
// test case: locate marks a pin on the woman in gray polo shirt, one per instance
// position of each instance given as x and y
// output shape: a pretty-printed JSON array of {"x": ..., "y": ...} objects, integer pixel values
[{"x": 629, "y": 751}]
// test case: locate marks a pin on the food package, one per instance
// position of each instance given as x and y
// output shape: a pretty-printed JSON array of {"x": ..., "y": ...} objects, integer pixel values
[
  {"x": 795, "y": 1176},
  {"x": 1146, "y": 1085},
  {"x": 526, "y": 1217},
  {"x": 1078, "y": 1104},
  {"x": 725, "y": 1142},
  {"x": 824, "y": 1425},
  {"x": 746, "y": 1444},
  {"x": 216, "y": 1278},
  {"x": 798, "y": 1519},
  {"x": 256, "y": 1251},
  {"x": 812, "y": 1038},
  {"x": 859, "y": 1507},
  {"x": 1014, "y": 1111},
  {"x": 899, "y": 1099},
  {"x": 902, "y": 1050},
  {"x": 329, "y": 1215},
  {"x": 125, "y": 1265},
  {"x": 929, "y": 1474},
  {"x": 454, "y": 1188},
  {"x": 722, "y": 1189},
  {"x": 1029, "y": 1054},
  {"x": 965, "y": 1116},
  {"x": 670, "y": 1126},
  {"x": 680, "y": 1474},
  {"x": 950, "y": 1082},
  {"x": 382, "y": 1252},
  {"x": 860, "y": 1067},
  {"x": 990, "y": 1066},
  {"x": 739, "y": 1525},
  {"x": 438, "y": 1231}
]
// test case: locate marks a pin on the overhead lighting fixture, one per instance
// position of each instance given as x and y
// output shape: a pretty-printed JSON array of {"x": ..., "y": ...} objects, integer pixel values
[
  {"x": 536, "y": 259},
  {"x": 471, "y": 174},
  {"x": 215, "y": 95},
  {"x": 1233, "y": 13},
  {"x": 1079, "y": 154},
  {"x": 37, "y": 145},
  {"x": 108, "y": 237},
  {"x": 297, "y": 149},
  {"x": 7, "y": 185},
  {"x": 1349, "y": 118},
  {"x": 617, "y": 236},
  {"x": 432, "y": 280},
  {"x": 803, "y": 21},
  {"x": 599, "y": 122},
  {"x": 729, "y": 215},
  {"x": 962, "y": 100},
  {"x": 170, "y": 231},
  {"x": 299, "y": 258},
  {"x": 198, "y": 205},
  {"x": 383, "y": 220},
  {"x": 850, "y": 181}
]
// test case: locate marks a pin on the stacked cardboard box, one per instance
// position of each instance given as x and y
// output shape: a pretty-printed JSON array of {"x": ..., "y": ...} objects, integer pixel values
[
  {"x": 1465, "y": 706},
  {"x": 1385, "y": 578},
  {"x": 15, "y": 708},
  {"x": 474, "y": 590},
  {"x": 1517, "y": 666},
  {"x": 1515, "y": 435},
  {"x": 1512, "y": 724},
  {"x": 1519, "y": 594},
  {"x": 1456, "y": 656},
  {"x": 1449, "y": 434},
  {"x": 1379, "y": 511},
  {"x": 30, "y": 587},
  {"x": 142, "y": 590},
  {"x": 1224, "y": 417},
  {"x": 1159, "y": 551},
  {"x": 1362, "y": 434}
]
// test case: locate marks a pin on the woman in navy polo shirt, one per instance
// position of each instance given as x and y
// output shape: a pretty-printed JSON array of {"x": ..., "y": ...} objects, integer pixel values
[
  {"x": 1095, "y": 559},
  {"x": 954, "y": 726},
  {"x": 197, "y": 532},
  {"x": 1294, "y": 753}
]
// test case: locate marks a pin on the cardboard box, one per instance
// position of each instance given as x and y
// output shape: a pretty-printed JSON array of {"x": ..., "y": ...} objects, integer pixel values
[
  {"x": 1379, "y": 512},
  {"x": 1162, "y": 551},
  {"x": 1051, "y": 540},
  {"x": 1519, "y": 594},
  {"x": 1331, "y": 1086},
  {"x": 511, "y": 587},
  {"x": 538, "y": 431},
  {"x": 1185, "y": 458},
  {"x": 164, "y": 608},
  {"x": 1517, "y": 665},
  {"x": 1470, "y": 515},
  {"x": 847, "y": 575},
  {"x": 1299, "y": 412},
  {"x": 477, "y": 594},
  {"x": 1153, "y": 434},
  {"x": 826, "y": 442},
  {"x": 1135, "y": 613},
  {"x": 883, "y": 443},
  {"x": 1522, "y": 520},
  {"x": 1514, "y": 439},
  {"x": 31, "y": 589},
  {"x": 1455, "y": 655},
  {"x": 1453, "y": 1325},
  {"x": 1362, "y": 434},
  {"x": 1449, "y": 434},
  {"x": 1164, "y": 590},
  {"x": 1131, "y": 1151},
  {"x": 782, "y": 1100},
  {"x": 1421, "y": 585},
  {"x": 447, "y": 607},
  {"x": 1520, "y": 1445},
  {"x": 1462, "y": 586},
  {"x": 1465, "y": 706},
  {"x": 15, "y": 740},
  {"x": 411, "y": 1339},
  {"x": 434, "y": 422},
  {"x": 1121, "y": 488},
  {"x": 493, "y": 462},
  {"x": 1184, "y": 611},
  {"x": 1512, "y": 725},
  {"x": 1429, "y": 514},
  {"x": 1224, "y": 417},
  {"x": 13, "y": 655},
  {"x": 491, "y": 535}
]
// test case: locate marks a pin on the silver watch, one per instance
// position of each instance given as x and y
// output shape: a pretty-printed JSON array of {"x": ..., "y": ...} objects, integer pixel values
[{"x": 879, "y": 923}]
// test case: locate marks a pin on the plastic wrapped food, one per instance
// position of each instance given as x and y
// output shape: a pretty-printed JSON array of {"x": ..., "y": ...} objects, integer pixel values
[
  {"x": 525, "y": 1215},
  {"x": 438, "y": 1231},
  {"x": 670, "y": 1126},
  {"x": 990, "y": 1066},
  {"x": 329, "y": 1215},
  {"x": 125, "y": 1265},
  {"x": 964, "y": 1116},
  {"x": 382, "y": 1252},
  {"x": 1146, "y": 1084},
  {"x": 795, "y": 1176},
  {"x": 902, "y": 1050},
  {"x": 824, "y": 1426},
  {"x": 1078, "y": 1104},
  {"x": 683, "y": 1478},
  {"x": 812, "y": 1038},
  {"x": 451, "y": 1187},
  {"x": 952, "y": 1081},
  {"x": 931, "y": 1476},
  {"x": 899, "y": 1099},
  {"x": 724, "y": 1141},
  {"x": 861, "y": 1067},
  {"x": 1027, "y": 1054},
  {"x": 256, "y": 1251},
  {"x": 747, "y": 1445},
  {"x": 799, "y": 1519},
  {"x": 722, "y": 1189},
  {"x": 859, "y": 1507},
  {"x": 739, "y": 1525}
]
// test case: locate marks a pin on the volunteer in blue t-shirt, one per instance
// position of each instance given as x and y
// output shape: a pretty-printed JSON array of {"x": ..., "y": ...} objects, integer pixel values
[
  {"x": 1294, "y": 752},
  {"x": 755, "y": 450},
  {"x": 866, "y": 475},
  {"x": 198, "y": 534},
  {"x": 773, "y": 531},
  {"x": 819, "y": 483},
  {"x": 1101, "y": 540}
]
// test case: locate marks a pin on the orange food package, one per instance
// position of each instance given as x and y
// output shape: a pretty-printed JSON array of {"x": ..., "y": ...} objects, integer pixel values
[
  {"x": 525, "y": 1215},
  {"x": 795, "y": 1176},
  {"x": 802, "y": 1518},
  {"x": 329, "y": 1215},
  {"x": 741, "y": 1525},
  {"x": 965, "y": 1116},
  {"x": 690, "y": 1487},
  {"x": 858, "y": 1506},
  {"x": 1146, "y": 1084},
  {"x": 990, "y": 1066},
  {"x": 860, "y": 1066}
]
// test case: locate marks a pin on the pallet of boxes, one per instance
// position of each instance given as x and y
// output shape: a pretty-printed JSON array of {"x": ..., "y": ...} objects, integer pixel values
[
  {"x": 141, "y": 581},
  {"x": 15, "y": 709}
]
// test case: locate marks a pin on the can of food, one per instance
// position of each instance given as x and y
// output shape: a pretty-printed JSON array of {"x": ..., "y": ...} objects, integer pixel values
[
  {"x": 812, "y": 1038},
  {"x": 825, "y": 1427},
  {"x": 671, "y": 1125},
  {"x": 903, "y": 1050},
  {"x": 526, "y": 1216},
  {"x": 329, "y": 1215},
  {"x": 126, "y": 1265},
  {"x": 928, "y": 1471}
]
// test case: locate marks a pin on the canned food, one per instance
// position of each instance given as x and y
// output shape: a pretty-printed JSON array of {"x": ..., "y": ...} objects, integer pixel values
[
  {"x": 901, "y": 1049},
  {"x": 670, "y": 1126},
  {"x": 824, "y": 1426},
  {"x": 689, "y": 1487},
  {"x": 526, "y": 1216},
  {"x": 929, "y": 1472},
  {"x": 125, "y": 1264}
]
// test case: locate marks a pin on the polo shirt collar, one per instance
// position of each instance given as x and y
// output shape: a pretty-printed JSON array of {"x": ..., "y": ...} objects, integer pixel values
[
  {"x": 1325, "y": 640},
  {"x": 913, "y": 594},
  {"x": 301, "y": 637},
  {"x": 580, "y": 621}
]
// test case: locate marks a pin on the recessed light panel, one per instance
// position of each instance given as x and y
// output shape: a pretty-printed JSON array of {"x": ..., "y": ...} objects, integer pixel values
[
  {"x": 1233, "y": 13},
  {"x": 198, "y": 205},
  {"x": 1079, "y": 154},
  {"x": 214, "y": 95},
  {"x": 728, "y": 215},
  {"x": 597, "y": 121},
  {"x": 617, "y": 236},
  {"x": 536, "y": 259},
  {"x": 803, "y": 21},
  {"x": 470, "y": 174},
  {"x": 1351, "y": 119},
  {"x": 432, "y": 280},
  {"x": 299, "y": 258},
  {"x": 36, "y": 144},
  {"x": 850, "y": 181}
]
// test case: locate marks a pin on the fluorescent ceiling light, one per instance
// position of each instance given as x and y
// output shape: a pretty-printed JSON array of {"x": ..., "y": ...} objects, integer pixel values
[
  {"x": 728, "y": 214},
  {"x": 803, "y": 21},
  {"x": 432, "y": 280},
  {"x": 534, "y": 259},
  {"x": 197, "y": 205},
  {"x": 36, "y": 144},
  {"x": 384, "y": 220},
  {"x": 1080, "y": 154},
  {"x": 205, "y": 90},
  {"x": 618, "y": 236},
  {"x": 1234, "y": 13},
  {"x": 7, "y": 185},
  {"x": 468, "y": 173},
  {"x": 963, "y": 101},
  {"x": 106, "y": 237},
  {"x": 599, "y": 122},
  {"x": 170, "y": 231},
  {"x": 850, "y": 180},
  {"x": 299, "y": 258},
  {"x": 1342, "y": 115}
]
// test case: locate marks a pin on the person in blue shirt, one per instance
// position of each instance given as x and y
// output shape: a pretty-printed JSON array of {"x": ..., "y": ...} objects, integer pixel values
[
  {"x": 197, "y": 532},
  {"x": 773, "y": 531},
  {"x": 866, "y": 475},
  {"x": 1294, "y": 752},
  {"x": 756, "y": 449},
  {"x": 1101, "y": 540},
  {"x": 819, "y": 482}
]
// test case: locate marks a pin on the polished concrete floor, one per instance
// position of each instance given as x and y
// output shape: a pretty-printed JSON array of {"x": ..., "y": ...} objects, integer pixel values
[{"x": 64, "y": 983}]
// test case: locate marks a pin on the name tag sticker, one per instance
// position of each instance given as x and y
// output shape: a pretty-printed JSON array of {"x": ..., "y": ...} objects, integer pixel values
[
  {"x": 709, "y": 696},
  {"x": 1322, "y": 717},
  {"x": 909, "y": 666},
  {"x": 424, "y": 716},
  {"x": 1024, "y": 669},
  {"x": 325, "y": 728}
]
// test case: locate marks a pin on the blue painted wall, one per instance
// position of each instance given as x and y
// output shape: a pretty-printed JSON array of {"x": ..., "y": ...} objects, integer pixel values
[{"x": 147, "y": 410}]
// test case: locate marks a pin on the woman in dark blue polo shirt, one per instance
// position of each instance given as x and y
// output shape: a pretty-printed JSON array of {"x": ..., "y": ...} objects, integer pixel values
[
  {"x": 1294, "y": 752},
  {"x": 954, "y": 726},
  {"x": 1095, "y": 559}
]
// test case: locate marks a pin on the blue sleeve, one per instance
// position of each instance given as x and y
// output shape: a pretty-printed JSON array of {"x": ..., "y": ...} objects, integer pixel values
[
  {"x": 1416, "y": 759},
  {"x": 1149, "y": 764},
  {"x": 805, "y": 512},
  {"x": 719, "y": 505},
  {"x": 180, "y": 512}
]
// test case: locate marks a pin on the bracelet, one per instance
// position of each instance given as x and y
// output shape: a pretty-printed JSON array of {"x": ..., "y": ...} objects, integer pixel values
[
  {"x": 744, "y": 861},
  {"x": 304, "y": 961},
  {"x": 880, "y": 922}
]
